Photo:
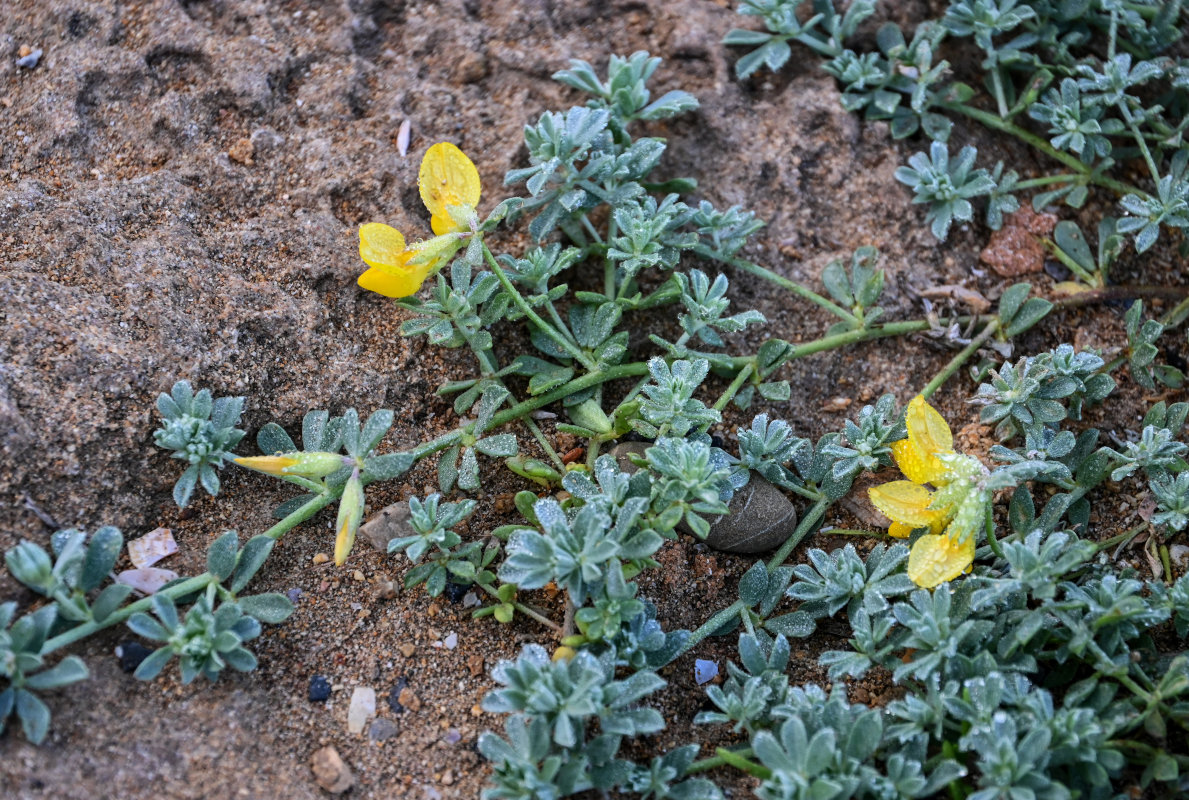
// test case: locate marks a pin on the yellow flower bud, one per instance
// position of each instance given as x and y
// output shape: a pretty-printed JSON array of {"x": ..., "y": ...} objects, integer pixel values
[
  {"x": 305, "y": 465},
  {"x": 350, "y": 513}
]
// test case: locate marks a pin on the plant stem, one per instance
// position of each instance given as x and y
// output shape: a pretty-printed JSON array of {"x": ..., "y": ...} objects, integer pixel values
[
  {"x": 527, "y": 310},
  {"x": 1073, "y": 266},
  {"x": 1119, "y": 539},
  {"x": 535, "y": 429},
  {"x": 784, "y": 283},
  {"x": 812, "y": 517},
  {"x": 299, "y": 516},
  {"x": 1045, "y": 180},
  {"x": 989, "y": 525},
  {"x": 708, "y": 627},
  {"x": 714, "y": 762},
  {"x": 609, "y": 288},
  {"x": 993, "y": 121},
  {"x": 743, "y": 764},
  {"x": 523, "y": 609},
  {"x": 961, "y": 358},
  {"x": 73, "y": 635},
  {"x": 734, "y": 388}
]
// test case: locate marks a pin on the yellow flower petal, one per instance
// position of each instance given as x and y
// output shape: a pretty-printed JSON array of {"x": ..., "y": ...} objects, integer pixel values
[
  {"x": 271, "y": 465},
  {"x": 936, "y": 559},
  {"x": 899, "y": 530},
  {"x": 918, "y": 467},
  {"x": 927, "y": 429},
  {"x": 394, "y": 284},
  {"x": 905, "y": 502},
  {"x": 447, "y": 178},
  {"x": 382, "y": 246}
]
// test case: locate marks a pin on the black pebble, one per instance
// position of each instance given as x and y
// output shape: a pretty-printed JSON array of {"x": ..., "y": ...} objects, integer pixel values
[
  {"x": 394, "y": 696},
  {"x": 319, "y": 689},
  {"x": 456, "y": 591},
  {"x": 717, "y": 441},
  {"x": 1056, "y": 270},
  {"x": 131, "y": 654}
]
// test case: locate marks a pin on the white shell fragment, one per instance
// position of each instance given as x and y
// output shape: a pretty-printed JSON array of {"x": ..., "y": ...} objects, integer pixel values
[
  {"x": 362, "y": 708},
  {"x": 151, "y": 548},
  {"x": 402, "y": 137},
  {"x": 147, "y": 580},
  {"x": 705, "y": 671}
]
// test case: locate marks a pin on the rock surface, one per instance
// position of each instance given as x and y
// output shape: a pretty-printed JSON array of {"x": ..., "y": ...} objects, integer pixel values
[
  {"x": 761, "y": 517},
  {"x": 391, "y": 523},
  {"x": 330, "y": 771}
]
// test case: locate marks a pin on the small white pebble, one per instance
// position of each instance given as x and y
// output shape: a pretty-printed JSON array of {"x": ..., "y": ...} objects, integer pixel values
[
  {"x": 402, "y": 137},
  {"x": 705, "y": 671},
  {"x": 451, "y": 641}
]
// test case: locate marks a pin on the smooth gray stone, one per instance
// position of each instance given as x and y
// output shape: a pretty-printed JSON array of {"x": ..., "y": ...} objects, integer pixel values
[
  {"x": 391, "y": 523},
  {"x": 761, "y": 517}
]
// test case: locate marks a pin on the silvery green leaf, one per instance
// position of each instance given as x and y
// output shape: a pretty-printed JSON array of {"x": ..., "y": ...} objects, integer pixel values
[
  {"x": 387, "y": 466},
  {"x": 109, "y": 600},
  {"x": 102, "y": 552},
  {"x": 151, "y": 667},
  {"x": 70, "y": 669},
  {"x": 143, "y": 625},
  {"x": 468, "y": 471},
  {"x": 270, "y": 608},
  {"x": 184, "y": 488},
  {"x": 273, "y": 439},
  {"x": 34, "y": 715},
  {"x": 375, "y": 428},
  {"x": 220, "y": 557},
  {"x": 448, "y": 468},
  {"x": 754, "y": 584},
  {"x": 249, "y": 561},
  {"x": 503, "y": 445}
]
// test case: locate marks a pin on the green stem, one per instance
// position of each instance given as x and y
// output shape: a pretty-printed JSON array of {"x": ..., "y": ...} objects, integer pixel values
[
  {"x": 534, "y": 317},
  {"x": 188, "y": 586},
  {"x": 1073, "y": 266},
  {"x": 989, "y": 525},
  {"x": 784, "y": 283},
  {"x": 523, "y": 609},
  {"x": 992, "y": 121},
  {"x": 812, "y": 517},
  {"x": 714, "y": 762},
  {"x": 1045, "y": 180},
  {"x": 1119, "y": 539},
  {"x": 299, "y": 516},
  {"x": 737, "y": 761},
  {"x": 734, "y": 388},
  {"x": 708, "y": 627},
  {"x": 1139, "y": 139},
  {"x": 535, "y": 429},
  {"x": 961, "y": 358},
  {"x": 609, "y": 263}
]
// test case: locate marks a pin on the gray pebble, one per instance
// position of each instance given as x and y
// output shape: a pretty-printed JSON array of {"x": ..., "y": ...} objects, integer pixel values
[
  {"x": 391, "y": 523},
  {"x": 30, "y": 61},
  {"x": 761, "y": 517},
  {"x": 382, "y": 729}
]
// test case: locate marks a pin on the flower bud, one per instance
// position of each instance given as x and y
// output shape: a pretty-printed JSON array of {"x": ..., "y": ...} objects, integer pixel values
[
  {"x": 306, "y": 465},
  {"x": 350, "y": 513}
]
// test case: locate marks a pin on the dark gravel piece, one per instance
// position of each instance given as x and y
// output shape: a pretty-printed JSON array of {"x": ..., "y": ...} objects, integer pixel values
[
  {"x": 319, "y": 689},
  {"x": 131, "y": 653},
  {"x": 454, "y": 592},
  {"x": 394, "y": 696}
]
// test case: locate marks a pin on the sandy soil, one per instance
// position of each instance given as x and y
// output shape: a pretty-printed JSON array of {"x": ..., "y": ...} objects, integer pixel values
[{"x": 180, "y": 183}]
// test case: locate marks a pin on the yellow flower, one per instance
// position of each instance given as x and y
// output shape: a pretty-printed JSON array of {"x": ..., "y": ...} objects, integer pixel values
[
  {"x": 450, "y": 189},
  {"x": 952, "y": 512},
  {"x": 307, "y": 465}
]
